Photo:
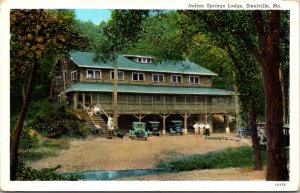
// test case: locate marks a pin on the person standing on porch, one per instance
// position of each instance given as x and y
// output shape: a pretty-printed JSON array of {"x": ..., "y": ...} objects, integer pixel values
[
  {"x": 110, "y": 125},
  {"x": 202, "y": 127},
  {"x": 197, "y": 128}
]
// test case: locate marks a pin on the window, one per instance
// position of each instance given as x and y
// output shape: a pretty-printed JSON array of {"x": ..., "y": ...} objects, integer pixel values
[
  {"x": 58, "y": 80},
  {"x": 138, "y": 76},
  {"x": 176, "y": 78},
  {"x": 120, "y": 75},
  {"x": 94, "y": 74},
  {"x": 194, "y": 79},
  {"x": 143, "y": 60},
  {"x": 74, "y": 75},
  {"x": 157, "y": 77}
]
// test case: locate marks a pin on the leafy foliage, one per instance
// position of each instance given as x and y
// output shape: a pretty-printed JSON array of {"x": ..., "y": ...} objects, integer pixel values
[
  {"x": 162, "y": 38},
  {"x": 36, "y": 33},
  {"x": 55, "y": 121},
  {"x": 26, "y": 173},
  {"x": 120, "y": 32},
  {"x": 29, "y": 139},
  {"x": 94, "y": 34},
  {"x": 226, "y": 30}
]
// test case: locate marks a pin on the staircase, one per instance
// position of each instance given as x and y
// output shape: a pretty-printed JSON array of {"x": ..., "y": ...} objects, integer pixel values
[{"x": 96, "y": 122}]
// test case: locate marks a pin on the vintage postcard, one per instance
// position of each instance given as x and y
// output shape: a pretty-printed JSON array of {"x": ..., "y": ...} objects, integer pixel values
[{"x": 149, "y": 96}]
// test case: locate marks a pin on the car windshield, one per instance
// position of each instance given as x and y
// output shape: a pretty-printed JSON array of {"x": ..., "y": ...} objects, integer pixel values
[
  {"x": 154, "y": 124},
  {"x": 177, "y": 123}
]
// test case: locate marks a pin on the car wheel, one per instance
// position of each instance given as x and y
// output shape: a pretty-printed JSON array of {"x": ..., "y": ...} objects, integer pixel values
[
  {"x": 181, "y": 133},
  {"x": 145, "y": 138}
]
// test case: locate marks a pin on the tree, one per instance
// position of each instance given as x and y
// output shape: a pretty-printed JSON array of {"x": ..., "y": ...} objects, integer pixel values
[
  {"x": 161, "y": 38},
  {"x": 235, "y": 30},
  {"x": 36, "y": 34},
  {"x": 268, "y": 54},
  {"x": 239, "y": 28},
  {"x": 94, "y": 33},
  {"x": 187, "y": 35},
  {"x": 121, "y": 31}
]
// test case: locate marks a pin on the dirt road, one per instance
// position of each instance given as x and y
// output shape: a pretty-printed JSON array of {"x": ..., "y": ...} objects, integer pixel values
[{"x": 120, "y": 154}]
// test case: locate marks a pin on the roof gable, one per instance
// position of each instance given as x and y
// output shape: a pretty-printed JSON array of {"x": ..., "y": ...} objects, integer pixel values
[{"x": 86, "y": 59}]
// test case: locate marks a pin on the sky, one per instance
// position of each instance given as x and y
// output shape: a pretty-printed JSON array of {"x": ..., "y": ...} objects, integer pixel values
[{"x": 93, "y": 15}]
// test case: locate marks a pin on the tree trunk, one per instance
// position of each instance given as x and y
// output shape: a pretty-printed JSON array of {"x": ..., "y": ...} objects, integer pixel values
[
  {"x": 115, "y": 95},
  {"x": 268, "y": 54},
  {"x": 254, "y": 137},
  {"x": 18, "y": 130}
]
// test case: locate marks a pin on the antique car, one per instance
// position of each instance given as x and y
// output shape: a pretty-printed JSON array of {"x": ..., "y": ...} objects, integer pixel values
[
  {"x": 244, "y": 132},
  {"x": 261, "y": 127},
  {"x": 153, "y": 127},
  {"x": 138, "y": 130},
  {"x": 174, "y": 126}
]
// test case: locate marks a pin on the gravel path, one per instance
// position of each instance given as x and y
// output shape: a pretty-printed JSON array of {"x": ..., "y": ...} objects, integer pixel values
[{"x": 121, "y": 154}]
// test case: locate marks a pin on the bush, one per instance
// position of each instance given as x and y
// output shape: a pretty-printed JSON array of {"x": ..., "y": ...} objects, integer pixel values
[
  {"x": 229, "y": 157},
  {"x": 29, "y": 139},
  {"x": 56, "y": 121},
  {"x": 26, "y": 173}
]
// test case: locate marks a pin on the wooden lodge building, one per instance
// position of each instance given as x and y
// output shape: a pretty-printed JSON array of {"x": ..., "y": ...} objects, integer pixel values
[{"x": 146, "y": 91}]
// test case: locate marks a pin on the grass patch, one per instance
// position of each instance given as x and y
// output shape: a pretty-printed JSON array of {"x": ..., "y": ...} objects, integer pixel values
[
  {"x": 47, "y": 148},
  {"x": 226, "y": 158}
]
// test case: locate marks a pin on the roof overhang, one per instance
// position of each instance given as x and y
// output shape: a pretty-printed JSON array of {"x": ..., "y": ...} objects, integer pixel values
[{"x": 147, "y": 89}]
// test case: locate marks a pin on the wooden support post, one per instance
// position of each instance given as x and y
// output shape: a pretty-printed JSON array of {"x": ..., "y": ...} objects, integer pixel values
[
  {"x": 208, "y": 123},
  {"x": 152, "y": 104},
  {"x": 164, "y": 101},
  {"x": 75, "y": 102},
  {"x": 196, "y": 103},
  {"x": 139, "y": 117},
  {"x": 83, "y": 99},
  {"x": 115, "y": 93},
  {"x": 227, "y": 123},
  {"x": 185, "y": 117},
  {"x": 164, "y": 117}
]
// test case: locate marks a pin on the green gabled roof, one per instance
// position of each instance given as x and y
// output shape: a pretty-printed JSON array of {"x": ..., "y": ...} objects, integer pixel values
[
  {"x": 146, "y": 89},
  {"x": 86, "y": 59}
]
